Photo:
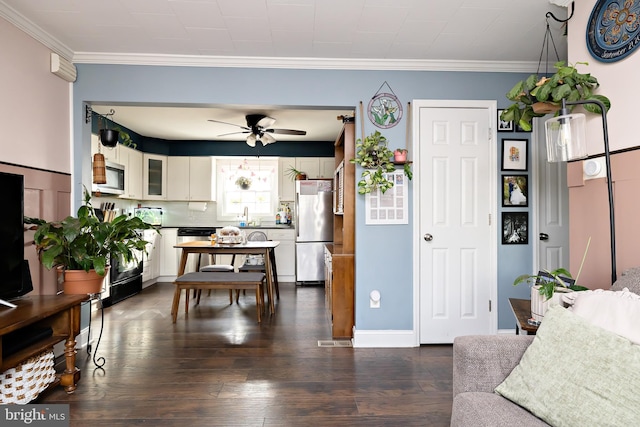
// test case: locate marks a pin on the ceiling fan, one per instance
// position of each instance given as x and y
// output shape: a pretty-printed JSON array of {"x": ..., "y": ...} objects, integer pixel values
[{"x": 259, "y": 129}]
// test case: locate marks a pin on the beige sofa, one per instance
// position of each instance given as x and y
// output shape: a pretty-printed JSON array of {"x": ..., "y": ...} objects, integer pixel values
[{"x": 481, "y": 363}]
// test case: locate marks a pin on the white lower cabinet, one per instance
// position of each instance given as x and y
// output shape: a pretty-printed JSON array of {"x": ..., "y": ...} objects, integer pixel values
[
  {"x": 151, "y": 260},
  {"x": 168, "y": 267},
  {"x": 285, "y": 253}
]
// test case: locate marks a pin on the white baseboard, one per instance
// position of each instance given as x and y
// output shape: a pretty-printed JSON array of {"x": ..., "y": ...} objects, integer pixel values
[
  {"x": 506, "y": 331},
  {"x": 81, "y": 342},
  {"x": 384, "y": 339}
]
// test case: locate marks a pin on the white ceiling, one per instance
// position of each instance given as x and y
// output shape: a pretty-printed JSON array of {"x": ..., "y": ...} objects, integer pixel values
[{"x": 362, "y": 34}]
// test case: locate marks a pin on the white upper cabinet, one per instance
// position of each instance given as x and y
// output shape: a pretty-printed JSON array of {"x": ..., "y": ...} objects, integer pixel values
[
  {"x": 155, "y": 177},
  {"x": 327, "y": 167},
  {"x": 316, "y": 167},
  {"x": 286, "y": 184},
  {"x": 191, "y": 178},
  {"x": 132, "y": 161}
]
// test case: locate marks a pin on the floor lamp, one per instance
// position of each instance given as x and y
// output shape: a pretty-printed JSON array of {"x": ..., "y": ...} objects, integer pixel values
[{"x": 566, "y": 141}]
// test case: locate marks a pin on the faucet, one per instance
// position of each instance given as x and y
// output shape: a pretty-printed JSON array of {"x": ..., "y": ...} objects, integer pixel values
[{"x": 246, "y": 214}]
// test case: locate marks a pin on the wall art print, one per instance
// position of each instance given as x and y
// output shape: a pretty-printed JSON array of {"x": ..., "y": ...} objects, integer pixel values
[
  {"x": 384, "y": 109},
  {"x": 515, "y": 228},
  {"x": 613, "y": 29},
  {"x": 514, "y": 154}
]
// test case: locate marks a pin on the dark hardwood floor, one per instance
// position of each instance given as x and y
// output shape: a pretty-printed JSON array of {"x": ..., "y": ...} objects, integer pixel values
[{"x": 218, "y": 367}]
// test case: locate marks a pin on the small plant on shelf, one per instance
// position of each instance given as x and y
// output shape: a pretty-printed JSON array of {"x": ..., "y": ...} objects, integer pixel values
[
  {"x": 295, "y": 174},
  {"x": 374, "y": 155}
]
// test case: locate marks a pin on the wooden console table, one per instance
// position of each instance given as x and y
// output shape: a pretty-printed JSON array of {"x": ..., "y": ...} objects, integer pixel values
[
  {"x": 61, "y": 313},
  {"x": 522, "y": 311}
]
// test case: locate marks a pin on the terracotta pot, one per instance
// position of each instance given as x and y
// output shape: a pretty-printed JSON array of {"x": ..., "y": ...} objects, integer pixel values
[
  {"x": 81, "y": 282},
  {"x": 301, "y": 177},
  {"x": 399, "y": 156},
  {"x": 544, "y": 107}
]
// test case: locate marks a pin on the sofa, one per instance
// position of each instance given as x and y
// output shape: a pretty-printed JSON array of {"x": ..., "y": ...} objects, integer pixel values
[{"x": 582, "y": 368}]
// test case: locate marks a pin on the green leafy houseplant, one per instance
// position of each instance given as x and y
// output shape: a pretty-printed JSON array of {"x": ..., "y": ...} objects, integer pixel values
[
  {"x": 85, "y": 242},
  {"x": 295, "y": 174},
  {"x": 374, "y": 155},
  {"x": 549, "y": 284},
  {"x": 537, "y": 96}
]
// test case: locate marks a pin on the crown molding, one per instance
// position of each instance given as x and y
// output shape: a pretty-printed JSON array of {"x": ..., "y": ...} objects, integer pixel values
[
  {"x": 14, "y": 17},
  {"x": 303, "y": 63}
]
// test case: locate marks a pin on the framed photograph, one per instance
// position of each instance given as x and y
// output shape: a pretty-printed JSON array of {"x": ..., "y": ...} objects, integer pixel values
[
  {"x": 515, "y": 191},
  {"x": 514, "y": 154},
  {"x": 519, "y": 129},
  {"x": 504, "y": 126},
  {"x": 515, "y": 228}
]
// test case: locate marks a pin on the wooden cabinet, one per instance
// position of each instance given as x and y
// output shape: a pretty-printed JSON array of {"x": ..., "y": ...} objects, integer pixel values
[
  {"x": 43, "y": 321},
  {"x": 340, "y": 256},
  {"x": 286, "y": 184},
  {"x": 132, "y": 161},
  {"x": 154, "y": 177}
]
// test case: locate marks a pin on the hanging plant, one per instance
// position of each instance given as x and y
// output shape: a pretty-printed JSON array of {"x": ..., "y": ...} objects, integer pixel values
[
  {"x": 374, "y": 155},
  {"x": 243, "y": 182},
  {"x": 536, "y": 96}
]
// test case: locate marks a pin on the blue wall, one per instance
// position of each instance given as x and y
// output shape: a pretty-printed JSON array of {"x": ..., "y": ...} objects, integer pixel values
[{"x": 383, "y": 253}]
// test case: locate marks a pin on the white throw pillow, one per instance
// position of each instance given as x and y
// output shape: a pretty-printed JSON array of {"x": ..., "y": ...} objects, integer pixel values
[{"x": 615, "y": 311}]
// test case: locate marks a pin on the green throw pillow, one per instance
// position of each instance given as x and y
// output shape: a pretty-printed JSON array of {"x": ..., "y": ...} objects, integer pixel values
[{"x": 577, "y": 374}]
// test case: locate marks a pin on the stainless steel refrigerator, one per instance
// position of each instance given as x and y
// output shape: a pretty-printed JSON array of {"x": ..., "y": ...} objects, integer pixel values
[{"x": 314, "y": 227}]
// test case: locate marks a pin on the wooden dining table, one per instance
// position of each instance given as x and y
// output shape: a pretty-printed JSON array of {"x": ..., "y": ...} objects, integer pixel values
[{"x": 264, "y": 248}]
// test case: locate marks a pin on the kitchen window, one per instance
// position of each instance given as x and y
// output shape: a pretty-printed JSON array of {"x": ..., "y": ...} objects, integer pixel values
[{"x": 247, "y": 183}]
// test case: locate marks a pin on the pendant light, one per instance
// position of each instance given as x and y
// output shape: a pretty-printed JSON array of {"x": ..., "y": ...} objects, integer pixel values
[{"x": 99, "y": 168}]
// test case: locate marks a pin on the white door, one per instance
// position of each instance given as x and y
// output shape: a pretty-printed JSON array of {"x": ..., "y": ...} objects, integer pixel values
[
  {"x": 456, "y": 204},
  {"x": 552, "y": 206}
]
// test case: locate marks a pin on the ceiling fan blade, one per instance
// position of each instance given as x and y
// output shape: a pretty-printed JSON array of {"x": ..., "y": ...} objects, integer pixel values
[
  {"x": 235, "y": 133},
  {"x": 286, "y": 131},
  {"x": 232, "y": 124},
  {"x": 251, "y": 140}
]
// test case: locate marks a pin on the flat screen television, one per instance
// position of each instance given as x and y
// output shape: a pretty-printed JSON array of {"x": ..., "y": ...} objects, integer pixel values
[{"x": 15, "y": 279}]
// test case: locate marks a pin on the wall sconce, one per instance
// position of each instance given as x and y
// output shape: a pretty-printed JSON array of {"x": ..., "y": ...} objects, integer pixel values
[{"x": 566, "y": 141}]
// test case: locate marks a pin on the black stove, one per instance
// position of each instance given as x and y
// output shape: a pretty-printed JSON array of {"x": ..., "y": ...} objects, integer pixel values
[{"x": 196, "y": 231}]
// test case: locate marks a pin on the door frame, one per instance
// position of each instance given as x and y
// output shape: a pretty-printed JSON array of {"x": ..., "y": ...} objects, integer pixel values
[{"x": 491, "y": 107}]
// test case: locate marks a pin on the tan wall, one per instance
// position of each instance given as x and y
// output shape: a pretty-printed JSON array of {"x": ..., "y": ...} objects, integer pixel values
[
  {"x": 588, "y": 200},
  {"x": 34, "y": 105}
]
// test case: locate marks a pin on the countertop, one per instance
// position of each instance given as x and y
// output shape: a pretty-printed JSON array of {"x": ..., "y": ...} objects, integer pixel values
[{"x": 248, "y": 227}]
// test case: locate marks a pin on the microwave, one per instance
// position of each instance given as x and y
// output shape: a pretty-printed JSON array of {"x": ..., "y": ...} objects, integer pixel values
[{"x": 115, "y": 179}]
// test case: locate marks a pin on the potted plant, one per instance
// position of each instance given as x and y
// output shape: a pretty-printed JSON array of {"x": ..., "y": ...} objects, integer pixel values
[
  {"x": 548, "y": 287},
  {"x": 243, "y": 182},
  {"x": 376, "y": 158},
  {"x": 537, "y": 96},
  {"x": 400, "y": 155},
  {"x": 80, "y": 247},
  {"x": 295, "y": 174}
]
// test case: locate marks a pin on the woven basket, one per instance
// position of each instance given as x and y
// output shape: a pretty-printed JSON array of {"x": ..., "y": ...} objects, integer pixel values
[{"x": 26, "y": 381}]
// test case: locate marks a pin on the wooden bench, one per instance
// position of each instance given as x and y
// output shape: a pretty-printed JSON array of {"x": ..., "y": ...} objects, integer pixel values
[{"x": 218, "y": 280}]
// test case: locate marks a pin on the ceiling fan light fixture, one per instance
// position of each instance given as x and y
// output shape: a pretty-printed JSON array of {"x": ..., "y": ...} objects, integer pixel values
[
  {"x": 267, "y": 139},
  {"x": 251, "y": 140}
]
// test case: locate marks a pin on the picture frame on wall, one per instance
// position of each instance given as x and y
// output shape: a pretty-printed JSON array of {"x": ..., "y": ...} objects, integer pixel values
[
  {"x": 514, "y": 154},
  {"x": 515, "y": 191},
  {"x": 515, "y": 228},
  {"x": 504, "y": 126}
]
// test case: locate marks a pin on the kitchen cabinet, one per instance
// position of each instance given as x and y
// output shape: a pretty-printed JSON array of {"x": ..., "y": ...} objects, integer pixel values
[
  {"x": 110, "y": 153},
  {"x": 191, "y": 178},
  {"x": 154, "y": 177},
  {"x": 132, "y": 161},
  {"x": 286, "y": 184},
  {"x": 340, "y": 256},
  {"x": 151, "y": 260},
  {"x": 168, "y": 256},
  {"x": 316, "y": 167},
  {"x": 285, "y": 252}
]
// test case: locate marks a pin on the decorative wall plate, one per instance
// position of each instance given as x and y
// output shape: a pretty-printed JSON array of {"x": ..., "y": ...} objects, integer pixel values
[
  {"x": 384, "y": 110},
  {"x": 613, "y": 30}
]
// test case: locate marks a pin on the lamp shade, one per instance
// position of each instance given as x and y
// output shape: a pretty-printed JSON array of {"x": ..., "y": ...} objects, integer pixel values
[{"x": 566, "y": 138}]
